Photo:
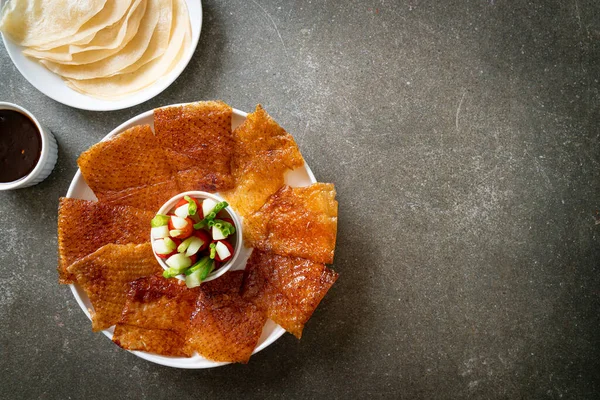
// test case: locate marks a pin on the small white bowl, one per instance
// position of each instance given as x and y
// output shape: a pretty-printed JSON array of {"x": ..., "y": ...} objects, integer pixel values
[
  {"x": 47, "y": 159},
  {"x": 238, "y": 241}
]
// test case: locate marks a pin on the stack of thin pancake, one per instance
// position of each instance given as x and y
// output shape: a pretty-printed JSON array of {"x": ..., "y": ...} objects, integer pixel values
[
  {"x": 104, "y": 245},
  {"x": 103, "y": 48}
]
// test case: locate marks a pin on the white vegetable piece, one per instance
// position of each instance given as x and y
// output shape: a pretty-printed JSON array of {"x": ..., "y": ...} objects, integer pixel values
[
  {"x": 222, "y": 250},
  {"x": 179, "y": 261},
  {"x": 194, "y": 246},
  {"x": 217, "y": 234},
  {"x": 207, "y": 206},
  {"x": 178, "y": 223},
  {"x": 182, "y": 211},
  {"x": 161, "y": 247},
  {"x": 160, "y": 232}
]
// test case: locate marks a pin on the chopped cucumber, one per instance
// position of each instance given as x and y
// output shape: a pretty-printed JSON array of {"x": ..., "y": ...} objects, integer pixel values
[
  {"x": 184, "y": 245},
  {"x": 162, "y": 246},
  {"x": 194, "y": 246},
  {"x": 222, "y": 250},
  {"x": 170, "y": 273},
  {"x": 182, "y": 211},
  {"x": 198, "y": 265},
  {"x": 193, "y": 280},
  {"x": 179, "y": 262},
  {"x": 207, "y": 206},
  {"x": 159, "y": 220},
  {"x": 196, "y": 274},
  {"x": 178, "y": 223},
  {"x": 160, "y": 232},
  {"x": 175, "y": 232}
]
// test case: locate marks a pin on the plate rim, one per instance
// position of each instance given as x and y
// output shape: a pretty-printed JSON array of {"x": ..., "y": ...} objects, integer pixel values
[
  {"x": 155, "y": 358},
  {"x": 158, "y": 86}
]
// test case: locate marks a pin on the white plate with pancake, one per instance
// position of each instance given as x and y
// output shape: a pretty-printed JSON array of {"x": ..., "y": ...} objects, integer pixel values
[
  {"x": 56, "y": 88},
  {"x": 79, "y": 189}
]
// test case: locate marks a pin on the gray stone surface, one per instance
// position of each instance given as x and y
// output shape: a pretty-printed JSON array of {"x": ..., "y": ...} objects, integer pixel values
[{"x": 463, "y": 140}]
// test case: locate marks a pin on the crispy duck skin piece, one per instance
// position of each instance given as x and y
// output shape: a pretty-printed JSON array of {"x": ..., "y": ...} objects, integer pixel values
[
  {"x": 225, "y": 327},
  {"x": 129, "y": 169},
  {"x": 198, "y": 144},
  {"x": 85, "y": 226},
  {"x": 296, "y": 222},
  {"x": 263, "y": 153},
  {"x": 288, "y": 289},
  {"x": 105, "y": 276},
  {"x": 156, "y": 317}
]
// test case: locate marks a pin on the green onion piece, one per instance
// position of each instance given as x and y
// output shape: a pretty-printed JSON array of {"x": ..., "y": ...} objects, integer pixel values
[
  {"x": 213, "y": 214},
  {"x": 193, "y": 207},
  {"x": 206, "y": 269},
  {"x": 201, "y": 225},
  {"x": 195, "y": 278},
  {"x": 159, "y": 220},
  {"x": 224, "y": 226},
  {"x": 199, "y": 264},
  {"x": 171, "y": 273},
  {"x": 213, "y": 251}
]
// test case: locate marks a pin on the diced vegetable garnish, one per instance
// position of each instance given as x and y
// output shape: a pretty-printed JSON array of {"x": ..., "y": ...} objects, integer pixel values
[
  {"x": 163, "y": 246},
  {"x": 198, "y": 265},
  {"x": 192, "y": 205},
  {"x": 217, "y": 233},
  {"x": 207, "y": 206},
  {"x": 179, "y": 262},
  {"x": 224, "y": 228},
  {"x": 193, "y": 280},
  {"x": 159, "y": 220},
  {"x": 223, "y": 252},
  {"x": 185, "y": 235},
  {"x": 182, "y": 228},
  {"x": 205, "y": 237},
  {"x": 182, "y": 211},
  {"x": 215, "y": 211},
  {"x": 160, "y": 232},
  {"x": 184, "y": 245},
  {"x": 178, "y": 222},
  {"x": 194, "y": 246}
]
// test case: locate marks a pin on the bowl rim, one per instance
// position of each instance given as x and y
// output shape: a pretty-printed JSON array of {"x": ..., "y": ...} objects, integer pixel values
[
  {"x": 238, "y": 231},
  {"x": 39, "y": 166}
]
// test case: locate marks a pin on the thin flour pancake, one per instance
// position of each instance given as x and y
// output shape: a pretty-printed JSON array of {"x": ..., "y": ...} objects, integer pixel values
[
  {"x": 156, "y": 317},
  {"x": 297, "y": 222},
  {"x": 85, "y": 226},
  {"x": 198, "y": 142},
  {"x": 112, "y": 12},
  {"x": 160, "y": 38},
  {"x": 225, "y": 327},
  {"x": 263, "y": 152},
  {"x": 37, "y": 22},
  {"x": 129, "y": 169},
  {"x": 142, "y": 76},
  {"x": 105, "y": 276},
  {"x": 128, "y": 55},
  {"x": 288, "y": 289},
  {"x": 105, "y": 43}
]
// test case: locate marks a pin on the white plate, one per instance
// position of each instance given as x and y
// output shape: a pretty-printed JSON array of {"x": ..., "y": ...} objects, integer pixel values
[
  {"x": 54, "y": 87},
  {"x": 79, "y": 189}
]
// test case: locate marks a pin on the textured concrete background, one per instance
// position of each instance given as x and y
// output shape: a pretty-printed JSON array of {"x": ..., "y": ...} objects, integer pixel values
[{"x": 463, "y": 140}]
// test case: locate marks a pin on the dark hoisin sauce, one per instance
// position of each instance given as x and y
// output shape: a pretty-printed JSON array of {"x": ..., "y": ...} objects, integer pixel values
[{"x": 20, "y": 145}]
